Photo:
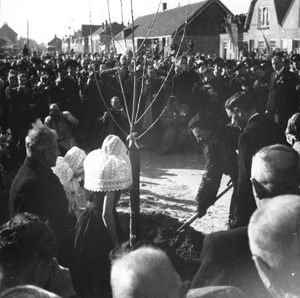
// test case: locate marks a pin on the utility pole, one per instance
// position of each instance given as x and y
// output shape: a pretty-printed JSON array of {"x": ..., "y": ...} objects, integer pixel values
[{"x": 27, "y": 33}]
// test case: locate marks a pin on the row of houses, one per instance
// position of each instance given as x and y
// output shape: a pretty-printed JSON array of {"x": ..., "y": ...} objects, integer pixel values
[
  {"x": 268, "y": 25},
  {"x": 208, "y": 25}
]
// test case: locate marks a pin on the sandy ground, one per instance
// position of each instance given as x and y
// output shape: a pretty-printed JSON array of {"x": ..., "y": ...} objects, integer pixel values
[{"x": 168, "y": 184}]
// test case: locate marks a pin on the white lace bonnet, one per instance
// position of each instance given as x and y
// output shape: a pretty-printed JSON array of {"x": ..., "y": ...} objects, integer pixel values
[{"x": 108, "y": 168}]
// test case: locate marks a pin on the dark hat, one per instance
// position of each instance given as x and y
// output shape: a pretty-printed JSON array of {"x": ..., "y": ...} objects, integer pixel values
[
  {"x": 36, "y": 60},
  {"x": 229, "y": 63},
  {"x": 72, "y": 63},
  {"x": 22, "y": 66},
  {"x": 239, "y": 66},
  {"x": 218, "y": 60}
]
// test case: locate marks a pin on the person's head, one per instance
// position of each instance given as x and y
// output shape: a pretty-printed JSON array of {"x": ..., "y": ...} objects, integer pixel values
[
  {"x": 296, "y": 61},
  {"x": 115, "y": 103},
  {"x": 124, "y": 60},
  {"x": 84, "y": 63},
  {"x": 41, "y": 144},
  {"x": 275, "y": 171},
  {"x": 274, "y": 238},
  {"x": 182, "y": 62},
  {"x": 229, "y": 66},
  {"x": 27, "y": 249},
  {"x": 151, "y": 71},
  {"x": 259, "y": 72},
  {"x": 239, "y": 108},
  {"x": 22, "y": 79},
  {"x": 12, "y": 80},
  {"x": 108, "y": 168},
  {"x": 203, "y": 125},
  {"x": 241, "y": 68},
  {"x": 146, "y": 272},
  {"x": 54, "y": 110},
  {"x": 277, "y": 63},
  {"x": 27, "y": 291},
  {"x": 292, "y": 131},
  {"x": 72, "y": 67}
]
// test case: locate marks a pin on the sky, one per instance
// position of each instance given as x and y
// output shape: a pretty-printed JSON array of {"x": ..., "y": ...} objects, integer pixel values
[{"x": 42, "y": 19}]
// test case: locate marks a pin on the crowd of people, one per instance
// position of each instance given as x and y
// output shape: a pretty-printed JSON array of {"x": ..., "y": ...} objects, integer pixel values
[{"x": 70, "y": 116}]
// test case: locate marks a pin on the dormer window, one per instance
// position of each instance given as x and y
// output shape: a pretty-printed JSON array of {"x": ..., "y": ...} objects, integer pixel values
[{"x": 263, "y": 17}]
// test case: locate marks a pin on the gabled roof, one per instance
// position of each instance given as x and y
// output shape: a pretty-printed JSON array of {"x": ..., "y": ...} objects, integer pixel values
[
  {"x": 168, "y": 22},
  {"x": 87, "y": 29},
  {"x": 54, "y": 41},
  {"x": 116, "y": 28},
  {"x": 5, "y": 26},
  {"x": 282, "y": 8}
]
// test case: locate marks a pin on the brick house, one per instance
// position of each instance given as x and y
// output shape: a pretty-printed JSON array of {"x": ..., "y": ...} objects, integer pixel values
[
  {"x": 102, "y": 37},
  {"x": 56, "y": 43},
  {"x": 202, "y": 23},
  {"x": 8, "y": 35},
  {"x": 270, "y": 24},
  {"x": 79, "y": 41}
]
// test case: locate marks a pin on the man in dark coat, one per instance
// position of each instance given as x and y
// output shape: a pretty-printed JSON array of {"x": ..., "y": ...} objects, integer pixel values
[
  {"x": 220, "y": 156},
  {"x": 36, "y": 189},
  {"x": 257, "y": 132},
  {"x": 226, "y": 258},
  {"x": 183, "y": 82},
  {"x": 283, "y": 98}
]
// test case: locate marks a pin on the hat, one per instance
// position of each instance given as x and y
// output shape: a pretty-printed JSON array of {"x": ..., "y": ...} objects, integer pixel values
[
  {"x": 71, "y": 63},
  {"x": 36, "y": 60},
  {"x": 108, "y": 168},
  {"x": 229, "y": 63},
  {"x": 75, "y": 158},
  {"x": 62, "y": 170},
  {"x": 239, "y": 66},
  {"x": 218, "y": 60}
]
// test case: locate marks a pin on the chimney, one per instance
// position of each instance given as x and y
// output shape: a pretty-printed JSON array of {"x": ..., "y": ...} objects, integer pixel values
[
  {"x": 102, "y": 26},
  {"x": 178, "y": 4},
  {"x": 164, "y": 6}
]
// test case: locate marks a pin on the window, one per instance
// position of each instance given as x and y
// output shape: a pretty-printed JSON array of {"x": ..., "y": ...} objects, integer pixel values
[
  {"x": 261, "y": 44},
  {"x": 263, "y": 17},
  {"x": 273, "y": 43},
  {"x": 296, "y": 45},
  {"x": 224, "y": 44},
  {"x": 283, "y": 44},
  {"x": 251, "y": 44}
]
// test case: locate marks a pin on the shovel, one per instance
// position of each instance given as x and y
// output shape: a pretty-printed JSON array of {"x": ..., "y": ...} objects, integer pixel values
[{"x": 195, "y": 216}]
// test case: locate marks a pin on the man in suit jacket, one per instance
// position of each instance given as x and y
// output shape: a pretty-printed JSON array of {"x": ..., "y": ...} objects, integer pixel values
[
  {"x": 226, "y": 258},
  {"x": 257, "y": 132},
  {"x": 283, "y": 98},
  {"x": 36, "y": 189}
]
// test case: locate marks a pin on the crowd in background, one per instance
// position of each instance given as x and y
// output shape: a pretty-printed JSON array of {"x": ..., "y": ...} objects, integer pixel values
[{"x": 29, "y": 85}]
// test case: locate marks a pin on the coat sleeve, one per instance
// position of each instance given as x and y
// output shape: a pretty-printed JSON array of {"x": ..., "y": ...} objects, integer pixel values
[
  {"x": 211, "y": 271},
  {"x": 211, "y": 179}
]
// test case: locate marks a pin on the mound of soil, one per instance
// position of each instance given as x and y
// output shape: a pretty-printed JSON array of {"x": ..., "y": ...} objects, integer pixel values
[{"x": 160, "y": 230}]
